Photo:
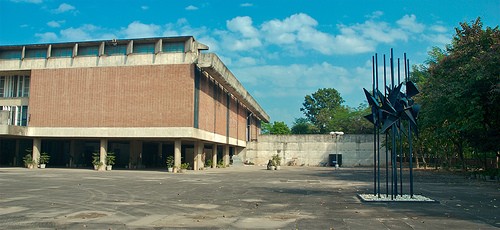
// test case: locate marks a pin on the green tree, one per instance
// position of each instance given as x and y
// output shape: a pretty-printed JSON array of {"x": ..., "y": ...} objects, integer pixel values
[
  {"x": 265, "y": 128},
  {"x": 461, "y": 92},
  {"x": 320, "y": 107},
  {"x": 303, "y": 126},
  {"x": 280, "y": 128}
]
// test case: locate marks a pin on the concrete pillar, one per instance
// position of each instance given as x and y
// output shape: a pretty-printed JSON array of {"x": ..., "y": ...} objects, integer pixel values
[
  {"x": 198, "y": 163},
  {"x": 160, "y": 154},
  {"x": 177, "y": 154},
  {"x": 16, "y": 154},
  {"x": 135, "y": 154},
  {"x": 214, "y": 156},
  {"x": 72, "y": 153},
  {"x": 103, "y": 152},
  {"x": 196, "y": 155},
  {"x": 37, "y": 147},
  {"x": 225, "y": 158}
]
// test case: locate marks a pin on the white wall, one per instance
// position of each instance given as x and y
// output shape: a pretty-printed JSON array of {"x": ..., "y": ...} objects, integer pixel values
[{"x": 312, "y": 150}]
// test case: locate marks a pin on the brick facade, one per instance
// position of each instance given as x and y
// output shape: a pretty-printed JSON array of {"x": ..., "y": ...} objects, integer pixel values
[{"x": 124, "y": 96}]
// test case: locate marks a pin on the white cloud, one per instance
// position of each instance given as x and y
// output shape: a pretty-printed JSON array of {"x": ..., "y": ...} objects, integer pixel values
[
  {"x": 246, "y": 61},
  {"x": 243, "y": 25},
  {"x": 300, "y": 29},
  {"x": 242, "y": 44},
  {"x": 440, "y": 39},
  {"x": 438, "y": 28},
  {"x": 291, "y": 76},
  {"x": 380, "y": 32},
  {"x": 191, "y": 7},
  {"x": 375, "y": 14},
  {"x": 246, "y": 4},
  {"x": 84, "y": 33},
  {"x": 55, "y": 24},
  {"x": 409, "y": 22},
  {"x": 144, "y": 7},
  {"x": 64, "y": 7},
  {"x": 28, "y": 1},
  {"x": 137, "y": 29},
  {"x": 47, "y": 37}
]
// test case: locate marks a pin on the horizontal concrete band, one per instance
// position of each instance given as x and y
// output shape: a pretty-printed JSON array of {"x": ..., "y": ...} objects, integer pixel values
[{"x": 119, "y": 132}]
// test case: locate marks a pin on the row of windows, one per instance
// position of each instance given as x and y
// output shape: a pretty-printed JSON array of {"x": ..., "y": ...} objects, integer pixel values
[
  {"x": 92, "y": 51},
  {"x": 14, "y": 86}
]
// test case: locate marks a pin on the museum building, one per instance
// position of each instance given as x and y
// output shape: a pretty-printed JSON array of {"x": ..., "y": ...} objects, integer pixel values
[{"x": 142, "y": 99}]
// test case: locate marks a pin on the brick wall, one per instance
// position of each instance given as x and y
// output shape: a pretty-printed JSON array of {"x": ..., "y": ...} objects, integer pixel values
[
  {"x": 125, "y": 96},
  {"x": 233, "y": 118},
  {"x": 242, "y": 122},
  {"x": 207, "y": 105},
  {"x": 213, "y": 111}
]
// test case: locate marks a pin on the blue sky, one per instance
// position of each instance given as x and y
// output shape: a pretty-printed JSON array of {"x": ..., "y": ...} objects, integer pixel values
[{"x": 279, "y": 50}]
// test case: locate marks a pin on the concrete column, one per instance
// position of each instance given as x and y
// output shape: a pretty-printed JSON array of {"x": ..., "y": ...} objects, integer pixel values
[
  {"x": 37, "y": 147},
  {"x": 214, "y": 156},
  {"x": 160, "y": 154},
  {"x": 103, "y": 152},
  {"x": 72, "y": 153},
  {"x": 16, "y": 154},
  {"x": 200, "y": 147},
  {"x": 225, "y": 158},
  {"x": 135, "y": 160},
  {"x": 196, "y": 155},
  {"x": 177, "y": 154}
]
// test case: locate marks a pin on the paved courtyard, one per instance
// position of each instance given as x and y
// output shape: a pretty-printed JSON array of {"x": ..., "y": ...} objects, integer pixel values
[{"x": 236, "y": 198}]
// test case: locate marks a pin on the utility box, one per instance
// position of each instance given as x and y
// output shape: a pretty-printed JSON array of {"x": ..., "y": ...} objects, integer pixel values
[{"x": 334, "y": 159}]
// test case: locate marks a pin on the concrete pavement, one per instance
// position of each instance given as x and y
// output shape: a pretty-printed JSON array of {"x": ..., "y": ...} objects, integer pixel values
[{"x": 247, "y": 197}]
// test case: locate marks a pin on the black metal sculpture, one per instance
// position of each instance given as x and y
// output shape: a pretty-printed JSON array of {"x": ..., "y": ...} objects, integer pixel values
[{"x": 391, "y": 111}]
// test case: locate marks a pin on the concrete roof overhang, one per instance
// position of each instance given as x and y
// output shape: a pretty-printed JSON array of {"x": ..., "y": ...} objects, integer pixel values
[{"x": 210, "y": 63}]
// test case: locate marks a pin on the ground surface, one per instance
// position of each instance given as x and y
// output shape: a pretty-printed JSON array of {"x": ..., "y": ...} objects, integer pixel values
[{"x": 237, "y": 197}]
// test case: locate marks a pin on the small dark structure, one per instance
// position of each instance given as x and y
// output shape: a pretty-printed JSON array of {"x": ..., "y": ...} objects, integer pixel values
[{"x": 394, "y": 113}]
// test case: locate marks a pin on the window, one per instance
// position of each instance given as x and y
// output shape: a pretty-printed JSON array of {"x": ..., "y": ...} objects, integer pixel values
[
  {"x": 88, "y": 51},
  {"x": 144, "y": 48},
  {"x": 2, "y": 85},
  {"x": 14, "y": 86},
  {"x": 62, "y": 52},
  {"x": 36, "y": 53},
  {"x": 177, "y": 47},
  {"x": 116, "y": 50},
  {"x": 26, "y": 87},
  {"x": 18, "y": 115},
  {"x": 10, "y": 54}
]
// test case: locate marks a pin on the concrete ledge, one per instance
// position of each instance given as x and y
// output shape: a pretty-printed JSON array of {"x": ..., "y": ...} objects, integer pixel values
[{"x": 112, "y": 132}]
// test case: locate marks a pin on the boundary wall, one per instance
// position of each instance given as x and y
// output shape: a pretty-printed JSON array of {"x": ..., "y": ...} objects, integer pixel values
[{"x": 312, "y": 150}]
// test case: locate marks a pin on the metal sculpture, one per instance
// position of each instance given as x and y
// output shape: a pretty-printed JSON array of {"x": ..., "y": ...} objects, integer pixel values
[{"x": 391, "y": 111}]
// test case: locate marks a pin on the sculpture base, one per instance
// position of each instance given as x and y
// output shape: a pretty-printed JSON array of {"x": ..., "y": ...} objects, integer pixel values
[{"x": 399, "y": 198}]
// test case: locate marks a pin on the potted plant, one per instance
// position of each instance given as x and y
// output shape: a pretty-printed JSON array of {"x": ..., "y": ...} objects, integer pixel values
[
  {"x": 110, "y": 160},
  {"x": 208, "y": 163},
  {"x": 28, "y": 161},
  {"x": 270, "y": 165},
  {"x": 96, "y": 161},
  {"x": 44, "y": 160},
  {"x": 170, "y": 163},
  {"x": 184, "y": 167},
  {"x": 220, "y": 164},
  {"x": 276, "y": 161}
]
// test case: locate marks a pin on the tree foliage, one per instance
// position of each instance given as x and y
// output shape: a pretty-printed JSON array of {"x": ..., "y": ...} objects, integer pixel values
[
  {"x": 303, "y": 126},
  {"x": 279, "y": 127},
  {"x": 461, "y": 92},
  {"x": 324, "y": 111},
  {"x": 320, "y": 107},
  {"x": 276, "y": 128}
]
